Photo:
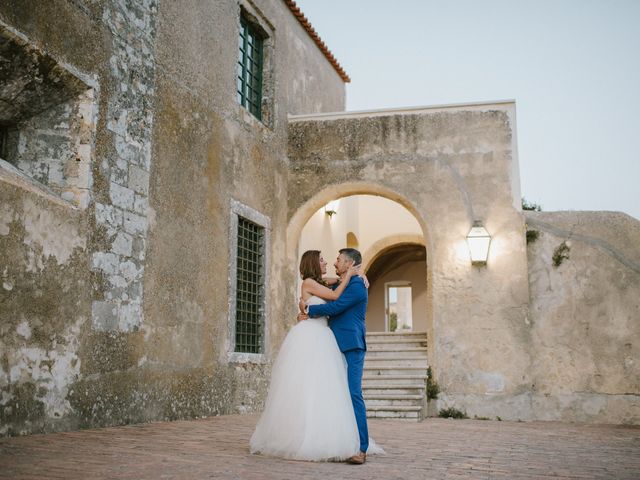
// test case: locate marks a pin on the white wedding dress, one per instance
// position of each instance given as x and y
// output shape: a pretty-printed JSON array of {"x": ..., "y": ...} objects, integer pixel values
[{"x": 308, "y": 414}]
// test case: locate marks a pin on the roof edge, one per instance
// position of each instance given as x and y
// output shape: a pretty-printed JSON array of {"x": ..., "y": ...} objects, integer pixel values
[
  {"x": 316, "y": 38},
  {"x": 402, "y": 110}
]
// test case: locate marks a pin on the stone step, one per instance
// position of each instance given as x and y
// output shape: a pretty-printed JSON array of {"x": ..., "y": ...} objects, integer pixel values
[
  {"x": 398, "y": 345},
  {"x": 413, "y": 412},
  {"x": 395, "y": 379},
  {"x": 394, "y": 390},
  {"x": 392, "y": 404},
  {"x": 386, "y": 350},
  {"x": 377, "y": 366},
  {"x": 378, "y": 356},
  {"x": 409, "y": 341},
  {"x": 408, "y": 419},
  {"x": 386, "y": 396},
  {"x": 393, "y": 400},
  {"x": 395, "y": 415},
  {"x": 384, "y": 356},
  {"x": 395, "y": 334},
  {"x": 403, "y": 361},
  {"x": 384, "y": 370},
  {"x": 411, "y": 408}
]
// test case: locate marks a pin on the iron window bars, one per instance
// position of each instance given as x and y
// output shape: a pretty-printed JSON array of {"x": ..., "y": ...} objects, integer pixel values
[
  {"x": 250, "y": 58},
  {"x": 249, "y": 287}
]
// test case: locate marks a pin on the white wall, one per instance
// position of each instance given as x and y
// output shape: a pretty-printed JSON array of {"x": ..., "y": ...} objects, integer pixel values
[{"x": 369, "y": 217}]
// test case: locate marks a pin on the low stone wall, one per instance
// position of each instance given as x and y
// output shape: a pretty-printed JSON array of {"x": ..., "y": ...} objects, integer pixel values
[{"x": 584, "y": 276}]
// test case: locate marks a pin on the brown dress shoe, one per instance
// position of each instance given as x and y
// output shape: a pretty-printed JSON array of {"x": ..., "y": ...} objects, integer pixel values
[{"x": 358, "y": 459}]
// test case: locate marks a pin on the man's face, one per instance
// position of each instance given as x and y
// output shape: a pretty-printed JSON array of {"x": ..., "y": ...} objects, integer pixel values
[{"x": 342, "y": 264}]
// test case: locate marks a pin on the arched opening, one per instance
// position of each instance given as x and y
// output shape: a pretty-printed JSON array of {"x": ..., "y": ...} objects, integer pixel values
[
  {"x": 352, "y": 240},
  {"x": 398, "y": 298},
  {"x": 391, "y": 238}
]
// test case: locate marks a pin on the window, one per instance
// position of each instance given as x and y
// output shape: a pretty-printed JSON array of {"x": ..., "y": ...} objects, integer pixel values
[
  {"x": 49, "y": 123},
  {"x": 250, "y": 58},
  {"x": 248, "y": 282},
  {"x": 398, "y": 300},
  {"x": 249, "y": 287}
]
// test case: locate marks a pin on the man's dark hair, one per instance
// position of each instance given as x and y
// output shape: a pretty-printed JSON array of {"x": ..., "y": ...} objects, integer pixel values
[{"x": 353, "y": 254}]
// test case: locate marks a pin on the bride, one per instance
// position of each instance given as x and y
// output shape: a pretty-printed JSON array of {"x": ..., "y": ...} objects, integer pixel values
[{"x": 308, "y": 414}]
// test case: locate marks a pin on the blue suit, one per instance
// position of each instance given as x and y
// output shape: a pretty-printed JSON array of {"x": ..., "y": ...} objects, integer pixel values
[{"x": 346, "y": 320}]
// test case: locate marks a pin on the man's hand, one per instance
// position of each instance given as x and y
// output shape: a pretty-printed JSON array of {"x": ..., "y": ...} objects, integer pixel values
[{"x": 302, "y": 316}]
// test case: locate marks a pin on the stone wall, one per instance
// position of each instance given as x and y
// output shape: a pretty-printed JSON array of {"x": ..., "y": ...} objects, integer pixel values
[
  {"x": 519, "y": 338},
  {"x": 448, "y": 166},
  {"x": 585, "y": 316},
  {"x": 115, "y": 308}
]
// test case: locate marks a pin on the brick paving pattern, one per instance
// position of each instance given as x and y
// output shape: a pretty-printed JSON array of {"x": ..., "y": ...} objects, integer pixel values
[{"x": 216, "y": 448}]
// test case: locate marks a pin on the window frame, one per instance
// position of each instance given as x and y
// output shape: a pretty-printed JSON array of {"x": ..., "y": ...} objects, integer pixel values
[
  {"x": 240, "y": 210},
  {"x": 250, "y": 81}
]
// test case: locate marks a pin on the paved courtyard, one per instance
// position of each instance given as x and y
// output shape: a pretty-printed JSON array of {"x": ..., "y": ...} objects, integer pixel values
[{"x": 216, "y": 448}]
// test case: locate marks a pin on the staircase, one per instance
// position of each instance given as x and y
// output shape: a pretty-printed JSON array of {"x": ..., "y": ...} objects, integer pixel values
[{"x": 395, "y": 374}]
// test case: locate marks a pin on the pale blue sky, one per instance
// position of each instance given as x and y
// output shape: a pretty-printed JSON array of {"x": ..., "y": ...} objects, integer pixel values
[{"x": 573, "y": 67}]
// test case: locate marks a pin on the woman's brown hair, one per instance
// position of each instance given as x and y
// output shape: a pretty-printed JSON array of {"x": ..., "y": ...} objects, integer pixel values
[{"x": 310, "y": 266}]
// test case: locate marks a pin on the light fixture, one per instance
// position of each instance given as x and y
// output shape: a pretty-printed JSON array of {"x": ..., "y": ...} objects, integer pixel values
[
  {"x": 478, "y": 241},
  {"x": 331, "y": 208}
]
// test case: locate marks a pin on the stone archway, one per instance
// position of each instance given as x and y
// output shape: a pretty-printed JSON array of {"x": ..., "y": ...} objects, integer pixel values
[
  {"x": 449, "y": 166},
  {"x": 332, "y": 192},
  {"x": 378, "y": 248}
]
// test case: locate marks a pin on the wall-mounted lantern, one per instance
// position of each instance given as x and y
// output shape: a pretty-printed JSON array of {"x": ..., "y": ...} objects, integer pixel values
[
  {"x": 331, "y": 208},
  {"x": 478, "y": 241}
]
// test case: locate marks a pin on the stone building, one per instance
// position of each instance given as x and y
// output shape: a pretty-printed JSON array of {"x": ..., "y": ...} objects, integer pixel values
[{"x": 159, "y": 163}]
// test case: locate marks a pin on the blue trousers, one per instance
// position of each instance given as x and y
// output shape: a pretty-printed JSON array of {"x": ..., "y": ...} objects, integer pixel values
[{"x": 355, "y": 365}]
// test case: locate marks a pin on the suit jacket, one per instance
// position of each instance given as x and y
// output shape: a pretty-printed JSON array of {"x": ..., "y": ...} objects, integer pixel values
[{"x": 346, "y": 315}]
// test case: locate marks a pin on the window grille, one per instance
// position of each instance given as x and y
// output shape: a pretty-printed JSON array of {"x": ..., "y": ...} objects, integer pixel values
[
  {"x": 250, "y": 57},
  {"x": 249, "y": 287}
]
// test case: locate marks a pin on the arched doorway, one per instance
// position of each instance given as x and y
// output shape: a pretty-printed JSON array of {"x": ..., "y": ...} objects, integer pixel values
[
  {"x": 398, "y": 290},
  {"x": 392, "y": 240}
]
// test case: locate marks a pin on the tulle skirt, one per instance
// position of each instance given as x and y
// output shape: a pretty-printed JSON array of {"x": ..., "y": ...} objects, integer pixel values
[{"x": 308, "y": 414}]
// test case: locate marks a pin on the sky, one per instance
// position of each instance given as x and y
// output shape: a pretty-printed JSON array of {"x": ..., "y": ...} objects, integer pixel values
[{"x": 572, "y": 66}]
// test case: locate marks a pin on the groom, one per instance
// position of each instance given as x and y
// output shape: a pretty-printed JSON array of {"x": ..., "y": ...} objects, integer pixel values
[{"x": 346, "y": 320}]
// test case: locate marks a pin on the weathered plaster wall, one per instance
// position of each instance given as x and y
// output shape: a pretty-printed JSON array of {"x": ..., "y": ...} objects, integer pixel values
[
  {"x": 210, "y": 151},
  {"x": 45, "y": 240},
  {"x": 585, "y": 317},
  {"x": 44, "y": 307},
  {"x": 115, "y": 310},
  {"x": 448, "y": 166}
]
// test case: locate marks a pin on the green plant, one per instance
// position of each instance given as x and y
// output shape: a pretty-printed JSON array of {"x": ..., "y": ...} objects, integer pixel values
[
  {"x": 452, "y": 412},
  {"x": 433, "y": 389},
  {"x": 480, "y": 418},
  {"x": 530, "y": 205},
  {"x": 498, "y": 419},
  {"x": 560, "y": 254},
  {"x": 393, "y": 321},
  {"x": 532, "y": 235}
]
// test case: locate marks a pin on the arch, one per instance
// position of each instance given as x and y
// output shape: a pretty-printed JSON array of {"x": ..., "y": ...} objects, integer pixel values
[
  {"x": 352, "y": 240},
  {"x": 303, "y": 212},
  {"x": 387, "y": 243}
]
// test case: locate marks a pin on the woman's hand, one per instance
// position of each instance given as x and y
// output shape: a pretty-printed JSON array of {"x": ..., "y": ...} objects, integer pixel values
[{"x": 353, "y": 270}]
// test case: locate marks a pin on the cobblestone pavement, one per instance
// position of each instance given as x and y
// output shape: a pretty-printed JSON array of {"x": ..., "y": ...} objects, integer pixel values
[{"x": 216, "y": 448}]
